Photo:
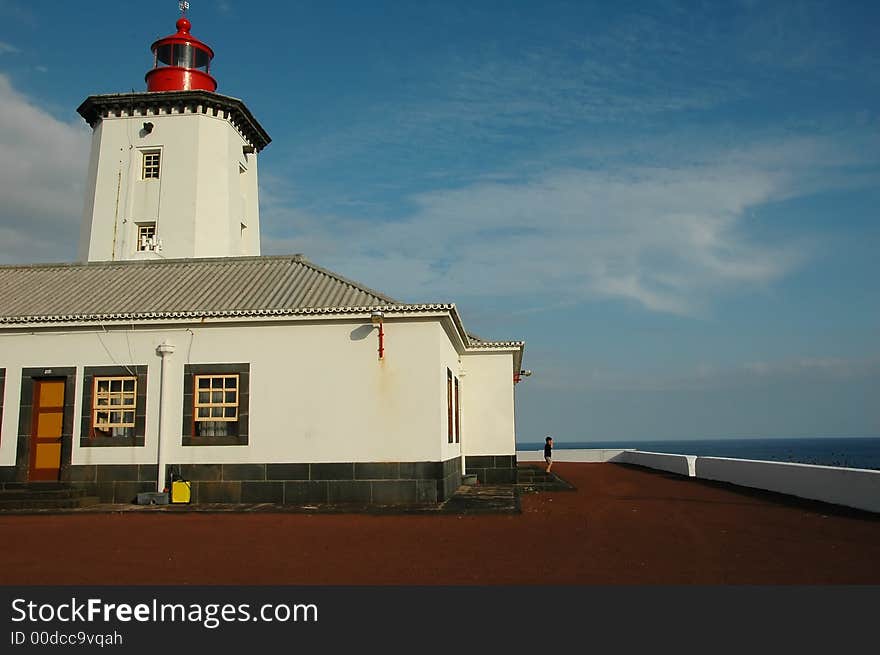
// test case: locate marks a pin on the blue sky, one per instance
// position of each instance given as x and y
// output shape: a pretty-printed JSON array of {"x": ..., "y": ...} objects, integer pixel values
[{"x": 674, "y": 204}]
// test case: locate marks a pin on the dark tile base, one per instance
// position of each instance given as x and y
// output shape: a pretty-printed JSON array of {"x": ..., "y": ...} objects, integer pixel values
[
  {"x": 492, "y": 469},
  {"x": 371, "y": 483},
  {"x": 114, "y": 483}
]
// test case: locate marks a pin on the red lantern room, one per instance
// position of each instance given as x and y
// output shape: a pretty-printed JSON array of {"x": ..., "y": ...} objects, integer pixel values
[{"x": 181, "y": 62}]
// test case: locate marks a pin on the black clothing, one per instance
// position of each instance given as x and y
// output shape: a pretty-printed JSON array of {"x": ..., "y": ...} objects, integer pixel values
[{"x": 548, "y": 450}]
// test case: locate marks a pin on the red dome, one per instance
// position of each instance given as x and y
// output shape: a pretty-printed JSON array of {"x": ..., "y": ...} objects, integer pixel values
[{"x": 181, "y": 62}]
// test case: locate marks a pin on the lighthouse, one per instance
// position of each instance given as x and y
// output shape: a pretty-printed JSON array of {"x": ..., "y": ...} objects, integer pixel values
[{"x": 173, "y": 170}]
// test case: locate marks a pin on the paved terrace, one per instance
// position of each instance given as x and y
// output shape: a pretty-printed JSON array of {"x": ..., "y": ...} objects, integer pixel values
[{"x": 622, "y": 525}]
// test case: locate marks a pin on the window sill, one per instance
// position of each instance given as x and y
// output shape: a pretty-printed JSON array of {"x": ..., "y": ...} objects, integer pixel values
[
  {"x": 215, "y": 441},
  {"x": 110, "y": 442}
]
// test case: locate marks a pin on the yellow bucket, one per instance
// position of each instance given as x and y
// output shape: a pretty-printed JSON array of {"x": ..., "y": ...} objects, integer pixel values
[{"x": 180, "y": 491}]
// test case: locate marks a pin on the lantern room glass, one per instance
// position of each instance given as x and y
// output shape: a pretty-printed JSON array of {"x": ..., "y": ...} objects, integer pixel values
[{"x": 182, "y": 55}]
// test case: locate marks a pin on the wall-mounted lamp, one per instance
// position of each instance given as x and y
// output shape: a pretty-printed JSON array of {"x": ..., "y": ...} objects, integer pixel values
[
  {"x": 377, "y": 318},
  {"x": 523, "y": 373},
  {"x": 148, "y": 127},
  {"x": 248, "y": 150}
]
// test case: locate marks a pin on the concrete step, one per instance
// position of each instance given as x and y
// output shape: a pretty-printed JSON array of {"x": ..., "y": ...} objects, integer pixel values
[
  {"x": 483, "y": 498},
  {"x": 36, "y": 493},
  {"x": 522, "y": 478},
  {"x": 43, "y": 496},
  {"x": 47, "y": 503},
  {"x": 534, "y": 478},
  {"x": 40, "y": 486}
]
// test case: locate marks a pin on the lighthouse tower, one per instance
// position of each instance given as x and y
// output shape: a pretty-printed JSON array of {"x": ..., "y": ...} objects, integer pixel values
[{"x": 173, "y": 170}]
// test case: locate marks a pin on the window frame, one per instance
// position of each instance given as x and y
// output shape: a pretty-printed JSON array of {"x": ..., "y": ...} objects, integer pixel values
[
  {"x": 141, "y": 227},
  {"x": 450, "y": 408},
  {"x": 88, "y": 436},
  {"x": 457, "y": 410},
  {"x": 2, "y": 396},
  {"x": 210, "y": 405},
  {"x": 121, "y": 388},
  {"x": 191, "y": 373},
  {"x": 148, "y": 169}
]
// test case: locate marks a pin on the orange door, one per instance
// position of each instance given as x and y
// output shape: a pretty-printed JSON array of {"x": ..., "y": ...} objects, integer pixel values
[{"x": 48, "y": 424}]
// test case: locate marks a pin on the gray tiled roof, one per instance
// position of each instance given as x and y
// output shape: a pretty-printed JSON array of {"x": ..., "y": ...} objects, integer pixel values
[
  {"x": 176, "y": 286},
  {"x": 187, "y": 288},
  {"x": 479, "y": 342}
]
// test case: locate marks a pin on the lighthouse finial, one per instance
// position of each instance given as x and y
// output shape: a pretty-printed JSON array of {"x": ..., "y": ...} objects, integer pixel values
[{"x": 184, "y": 6}]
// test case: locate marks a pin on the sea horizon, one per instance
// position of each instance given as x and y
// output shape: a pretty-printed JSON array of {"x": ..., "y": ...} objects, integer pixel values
[{"x": 849, "y": 452}]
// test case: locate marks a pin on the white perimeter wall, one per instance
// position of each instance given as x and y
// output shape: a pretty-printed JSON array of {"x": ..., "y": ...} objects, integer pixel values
[
  {"x": 592, "y": 455},
  {"x": 318, "y": 392},
  {"x": 487, "y": 414},
  {"x": 858, "y": 488}
]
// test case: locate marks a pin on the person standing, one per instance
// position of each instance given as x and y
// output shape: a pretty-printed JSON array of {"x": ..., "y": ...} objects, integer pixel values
[{"x": 548, "y": 452}]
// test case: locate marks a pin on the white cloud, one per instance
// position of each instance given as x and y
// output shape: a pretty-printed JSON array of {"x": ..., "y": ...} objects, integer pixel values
[
  {"x": 8, "y": 48},
  {"x": 767, "y": 374},
  {"x": 666, "y": 237},
  {"x": 42, "y": 171}
]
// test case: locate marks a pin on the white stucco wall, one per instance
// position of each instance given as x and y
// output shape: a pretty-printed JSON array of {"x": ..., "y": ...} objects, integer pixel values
[
  {"x": 86, "y": 226},
  {"x": 488, "y": 422},
  {"x": 318, "y": 392},
  {"x": 198, "y": 201},
  {"x": 451, "y": 361}
]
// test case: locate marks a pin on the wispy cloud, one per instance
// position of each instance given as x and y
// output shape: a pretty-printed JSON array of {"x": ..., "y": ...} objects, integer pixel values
[
  {"x": 668, "y": 237},
  {"x": 42, "y": 171},
  {"x": 8, "y": 48},
  {"x": 465, "y": 104},
  {"x": 18, "y": 12},
  {"x": 561, "y": 376}
]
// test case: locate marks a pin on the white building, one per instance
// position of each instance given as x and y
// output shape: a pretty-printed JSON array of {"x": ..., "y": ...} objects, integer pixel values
[{"x": 175, "y": 348}]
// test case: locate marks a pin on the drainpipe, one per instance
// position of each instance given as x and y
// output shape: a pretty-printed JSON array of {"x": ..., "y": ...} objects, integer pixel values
[{"x": 164, "y": 349}]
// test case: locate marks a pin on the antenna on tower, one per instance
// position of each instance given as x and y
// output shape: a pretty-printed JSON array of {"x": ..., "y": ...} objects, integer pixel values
[{"x": 184, "y": 6}]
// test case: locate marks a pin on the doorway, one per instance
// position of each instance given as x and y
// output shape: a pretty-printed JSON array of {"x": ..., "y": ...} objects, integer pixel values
[
  {"x": 45, "y": 424},
  {"x": 47, "y": 429}
]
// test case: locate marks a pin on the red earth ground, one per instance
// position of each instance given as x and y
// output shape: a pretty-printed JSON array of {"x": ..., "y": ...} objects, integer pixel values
[{"x": 622, "y": 526}]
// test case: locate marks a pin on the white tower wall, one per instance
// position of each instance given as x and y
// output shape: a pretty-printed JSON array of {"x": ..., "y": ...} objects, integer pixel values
[{"x": 205, "y": 193}]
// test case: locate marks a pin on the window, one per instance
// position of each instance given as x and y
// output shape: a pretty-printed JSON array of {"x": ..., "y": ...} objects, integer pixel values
[
  {"x": 2, "y": 390},
  {"x": 453, "y": 409},
  {"x": 457, "y": 414},
  {"x": 146, "y": 238},
  {"x": 450, "y": 424},
  {"x": 114, "y": 406},
  {"x": 216, "y": 404},
  {"x": 150, "y": 170}
]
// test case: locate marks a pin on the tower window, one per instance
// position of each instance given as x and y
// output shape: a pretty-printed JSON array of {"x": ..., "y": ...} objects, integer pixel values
[
  {"x": 146, "y": 237},
  {"x": 150, "y": 170}
]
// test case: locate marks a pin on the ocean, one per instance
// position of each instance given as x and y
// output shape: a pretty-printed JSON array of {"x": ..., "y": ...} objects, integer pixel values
[{"x": 850, "y": 452}]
